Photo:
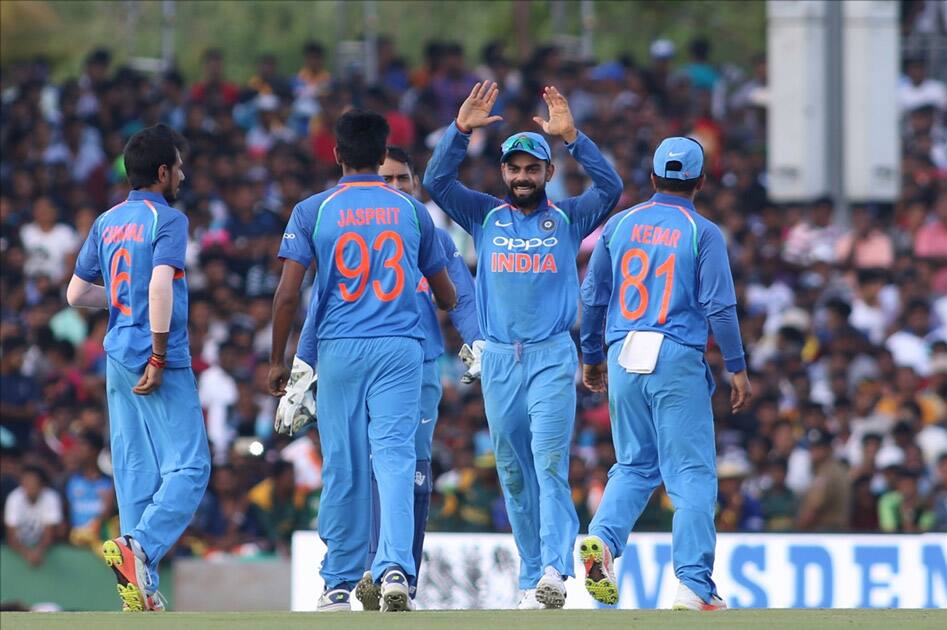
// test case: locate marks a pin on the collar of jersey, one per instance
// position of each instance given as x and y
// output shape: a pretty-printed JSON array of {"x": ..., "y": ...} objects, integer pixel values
[
  {"x": 143, "y": 195},
  {"x": 673, "y": 200},
  {"x": 361, "y": 179}
]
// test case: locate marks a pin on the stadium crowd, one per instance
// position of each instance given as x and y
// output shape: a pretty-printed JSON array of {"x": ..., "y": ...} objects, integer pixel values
[{"x": 845, "y": 324}]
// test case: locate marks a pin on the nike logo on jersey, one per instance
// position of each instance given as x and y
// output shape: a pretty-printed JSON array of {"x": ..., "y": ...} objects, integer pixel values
[
  {"x": 427, "y": 420},
  {"x": 498, "y": 224}
]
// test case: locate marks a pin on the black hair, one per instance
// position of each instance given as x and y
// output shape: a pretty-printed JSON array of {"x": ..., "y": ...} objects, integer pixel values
[
  {"x": 686, "y": 186},
  {"x": 400, "y": 155},
  {"x": 361, "y": 138},
  {"x": 314, "y": 48},
  {"x": 280, "y": 466},
  {"x": 93, "y": 439},
  {"x": 36, "y": 470},
  {"x": 148, "y": 150}
]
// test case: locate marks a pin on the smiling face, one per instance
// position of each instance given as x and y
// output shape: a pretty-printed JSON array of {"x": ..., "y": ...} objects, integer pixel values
[{"x": 525, "y": 177}]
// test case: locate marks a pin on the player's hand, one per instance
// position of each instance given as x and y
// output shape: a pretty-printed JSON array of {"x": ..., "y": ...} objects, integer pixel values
[
  {"x": 277, "y": 378},
  {"x": 149, "y": 381},
  {"x": 740, "y": 391},
  {"x": 560, "y": 121},
  {"x": 595, "y": 377},
  {"x": 475, "y": 111}
]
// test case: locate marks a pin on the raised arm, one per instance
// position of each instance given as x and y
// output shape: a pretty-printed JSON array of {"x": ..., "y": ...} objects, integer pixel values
[
  {"x": 596, "y": 294},
  {"x": 466, "y": 207}
]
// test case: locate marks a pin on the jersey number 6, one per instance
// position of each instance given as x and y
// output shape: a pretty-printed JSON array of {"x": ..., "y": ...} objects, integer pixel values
[
  {"x": 117, "y": 277},
  {"x": 665, "y": 269},
  {"x": 363, "y": 269}
]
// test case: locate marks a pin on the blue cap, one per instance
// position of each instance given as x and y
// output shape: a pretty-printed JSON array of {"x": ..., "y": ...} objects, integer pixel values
[
  {"x": 527, "y": 142},
  {"x": 679, "y": 158}
]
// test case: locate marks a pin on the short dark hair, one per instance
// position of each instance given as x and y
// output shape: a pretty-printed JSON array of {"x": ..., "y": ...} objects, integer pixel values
[
  {"x": 361, "y": 138},
  {"x": 686, "y": 186},
  {"x": 400, "y": 155},
  {"x": 314, "y": 48},
  {"x": 147, "y": 150},
  {"x": 93, "y": 439}
]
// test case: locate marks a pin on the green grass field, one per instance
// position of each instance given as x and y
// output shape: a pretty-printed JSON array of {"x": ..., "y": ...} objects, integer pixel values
[{"x": 487, "y": 619}]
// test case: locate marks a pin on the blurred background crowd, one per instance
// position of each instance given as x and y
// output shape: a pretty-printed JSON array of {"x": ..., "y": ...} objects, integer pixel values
[{"x": 844, "y": 314}]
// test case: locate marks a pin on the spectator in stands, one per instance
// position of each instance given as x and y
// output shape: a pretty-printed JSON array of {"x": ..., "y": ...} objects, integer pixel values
[
  {"x": 19, "y": 393},
  {"x": 778, "y": 501},
  {"x": 866, "y": 245},
  {"x": 919, "y": 90},
  {"x": 737, "y": 511},
  {"x": 902, "y": 509},
  {"x": 90, "y": 494},
  {"x": 313, "y": 79},
  {"x": 226, "y": 521},
  {"x": 214, "y": 91},
  {"x": 33, "y": 516},
  {"x": 281, "y": 508},
  {"x": 48, "y": 242},
  {"x": 826, "y": 505}
]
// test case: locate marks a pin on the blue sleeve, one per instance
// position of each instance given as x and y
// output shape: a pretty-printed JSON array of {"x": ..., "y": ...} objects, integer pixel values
[
  {"x": 87, "y": 262},
  {"x": 307, "y": 348},
  {"x": 717, "y": 297},
  {"x": 170, "y": 246},
  {"x": 589, "y": 209},
  {"x": 431, "y": 256},
  {"x": 466, "y": 207},
  {"x": 297, "y": 242},
  {"x": 596, "y": 293},
  {"x": 464, "y": 315}
]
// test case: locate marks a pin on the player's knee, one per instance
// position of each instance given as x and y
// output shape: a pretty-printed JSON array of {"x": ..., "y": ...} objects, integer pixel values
[
  {"x": 511, "y": 475},
  {"x": 549, "y": 462}
]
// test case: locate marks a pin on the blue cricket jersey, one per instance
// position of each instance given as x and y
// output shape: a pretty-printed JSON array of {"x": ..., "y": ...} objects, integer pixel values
[
  {"x": 660, "y": 266},
  {"x": 371, "y": 245},
  {"x": 463, "y": 316},
  {"x": 527, "y": 284},
  {"x": 123, "y": 247}
]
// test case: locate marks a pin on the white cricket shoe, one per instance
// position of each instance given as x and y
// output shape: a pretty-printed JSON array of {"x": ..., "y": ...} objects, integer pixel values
[
  {"x": 336, "y": 600},
  {"x": 394, "y": 592},
  {"x": 551, "y": 589},
  {"x": 687, "y": 599},
  {"x": 367, "y": 592},
  {"x": 528, "y": 600}
]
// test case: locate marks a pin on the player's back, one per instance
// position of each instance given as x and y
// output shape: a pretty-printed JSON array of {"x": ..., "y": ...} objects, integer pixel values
[
  {"x": 367, "y": 240},
  {"x": 653, "y": 249},
  {"x": 129, "y": 241}
]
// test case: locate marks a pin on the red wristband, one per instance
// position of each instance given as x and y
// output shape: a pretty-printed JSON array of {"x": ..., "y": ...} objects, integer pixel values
[
  {"x": 157, "y": 361},
  {"x": 459, "y": 128}
]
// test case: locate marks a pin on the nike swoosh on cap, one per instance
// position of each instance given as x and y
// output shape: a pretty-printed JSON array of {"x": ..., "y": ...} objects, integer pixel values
[{"x": 676, "y": 154}]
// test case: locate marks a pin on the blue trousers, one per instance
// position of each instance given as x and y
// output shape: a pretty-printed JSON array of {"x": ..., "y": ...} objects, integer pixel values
[
  {"x": 529, "y": 395},
  {"x": 160, "y": 458},
  {"x": 367, "y": 403},
  {"x": 423, "y": 484},
  {"x": 663, "y": 428}
]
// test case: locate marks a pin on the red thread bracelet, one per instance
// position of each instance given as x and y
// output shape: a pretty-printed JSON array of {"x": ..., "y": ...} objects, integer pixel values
[{"x": 157, "y": 361}]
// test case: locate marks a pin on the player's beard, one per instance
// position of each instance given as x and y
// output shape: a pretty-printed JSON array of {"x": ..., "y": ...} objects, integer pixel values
[
  {"x": 529, "y": 200},
  {"x": 170, "y": 193}
]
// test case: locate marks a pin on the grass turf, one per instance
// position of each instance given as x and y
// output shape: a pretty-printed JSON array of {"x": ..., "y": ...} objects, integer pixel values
[{"x": 483, "y": 619}]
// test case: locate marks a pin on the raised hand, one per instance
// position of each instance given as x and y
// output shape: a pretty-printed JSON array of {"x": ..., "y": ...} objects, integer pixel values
[
  {"x": 475, "y": 111},
  {"x": 560, "y": 121}
]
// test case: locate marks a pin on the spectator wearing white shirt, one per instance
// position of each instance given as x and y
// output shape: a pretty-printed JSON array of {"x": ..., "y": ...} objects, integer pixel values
[
  {"x": 875, "y": 307},
  {"x": 919, "y": 90},
  {"x": 908, "y": 345},
  {"x": 218, "y": 392},
  {"x": 47, "y": 242},
  {"x": 813, "y": 240},
  {"x": 33, "y": 516}
]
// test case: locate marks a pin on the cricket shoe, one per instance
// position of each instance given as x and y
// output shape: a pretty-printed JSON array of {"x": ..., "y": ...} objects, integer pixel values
[
  {"x": 551, "y": 589},
  {"x": 130, "y": 572},
  {"x": 367, "y": 592},
  {"x": 600, "y": 579},
  {"x": 155, "y": 602},
  {"x": 687, "y": 599},
  {"x": 394, "y": 592},
  {"x": 528, "y": 600},
  {"x": 335, "y": 600}
]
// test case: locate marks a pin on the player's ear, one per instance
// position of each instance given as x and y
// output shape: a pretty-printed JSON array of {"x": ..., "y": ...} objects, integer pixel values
[
  {"x": 335, "y": 154},
  {"x": 550, "y": 170},
  {"x": 654, "y": 181},
  {"x": 700, "y": 182},
  {"x": 164, "y": 174}
]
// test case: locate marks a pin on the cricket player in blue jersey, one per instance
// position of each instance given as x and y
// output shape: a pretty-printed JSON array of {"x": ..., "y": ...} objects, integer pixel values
[
  {"x": 398, "y": 172},
  {"x": 527, "y": 300},
  {"x": 160, "y": 457},
  {"x": 661, "y": 274},
  {"x": 371, "y": 245}
]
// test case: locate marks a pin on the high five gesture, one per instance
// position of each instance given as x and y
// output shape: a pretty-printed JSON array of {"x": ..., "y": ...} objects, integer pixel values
[
  {"x": 560, "y": 121},
  {"x": 475, "y": 111}
]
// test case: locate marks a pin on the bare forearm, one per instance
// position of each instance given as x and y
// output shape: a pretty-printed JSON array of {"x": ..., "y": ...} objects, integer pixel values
[
  {"x": 82, "y": 294},
  {"x": 285, "y": 305}
]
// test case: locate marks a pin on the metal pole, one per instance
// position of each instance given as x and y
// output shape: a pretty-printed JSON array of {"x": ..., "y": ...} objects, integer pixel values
[
  {"x": 587, "y": 8},
  {"x": 371, "y": 42},
  {"x": 168, "y": 9},
  {"x": 834, "y": 140}
]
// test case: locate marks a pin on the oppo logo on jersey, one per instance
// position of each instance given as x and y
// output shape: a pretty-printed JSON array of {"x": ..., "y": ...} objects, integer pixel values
[{"x": 526, "y": 244}]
